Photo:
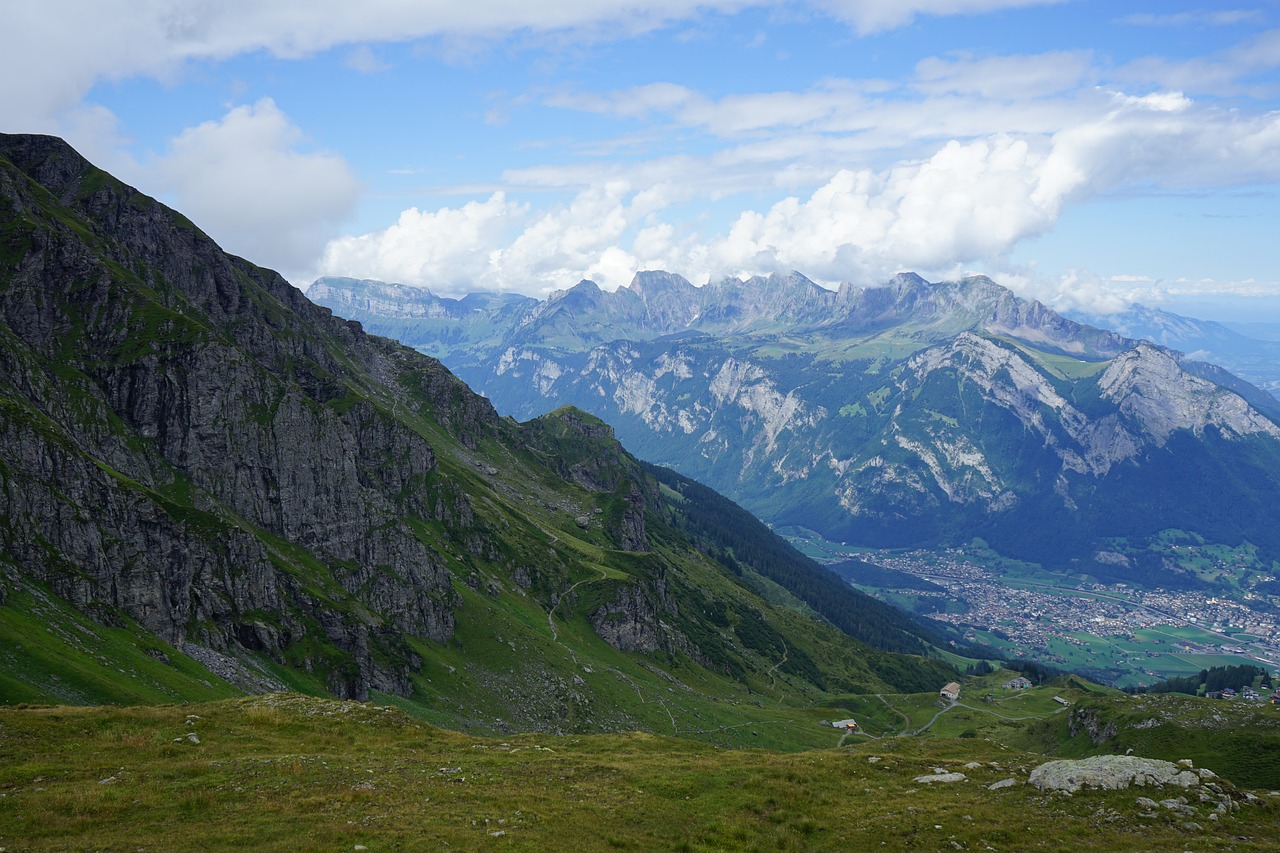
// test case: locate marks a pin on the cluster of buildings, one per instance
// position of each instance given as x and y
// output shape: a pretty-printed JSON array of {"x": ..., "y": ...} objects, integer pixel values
[{"x": 1215, "y": 614}]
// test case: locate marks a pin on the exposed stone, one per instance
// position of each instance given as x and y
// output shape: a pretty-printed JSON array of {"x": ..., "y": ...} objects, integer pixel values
[
  {"x": 247, "y": 408},
  {"x": 1089, "y": 721},
  {"x": 629, "y": 622},
  {"x": 1177, "y": 804},
  {"x": 1110, "y": 772},
  {"x": 940, "y": 777}
]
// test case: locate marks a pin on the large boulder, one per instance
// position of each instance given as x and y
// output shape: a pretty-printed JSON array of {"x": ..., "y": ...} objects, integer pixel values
[{"x": 1111, "y": 772}]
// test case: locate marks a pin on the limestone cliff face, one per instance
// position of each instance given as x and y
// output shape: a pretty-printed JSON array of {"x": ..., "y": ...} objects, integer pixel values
[
  {"x": 188, "y": 441},
  {"x": 1151, "y": 388}
]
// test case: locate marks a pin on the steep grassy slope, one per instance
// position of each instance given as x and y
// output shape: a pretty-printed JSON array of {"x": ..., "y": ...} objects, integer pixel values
[{"x": 207, "y": 483}]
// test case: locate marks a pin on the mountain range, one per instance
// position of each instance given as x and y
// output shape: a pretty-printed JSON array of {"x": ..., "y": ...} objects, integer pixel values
[
  {"x": 208, "y": 485},
  {"x": 909, "y": 413}
]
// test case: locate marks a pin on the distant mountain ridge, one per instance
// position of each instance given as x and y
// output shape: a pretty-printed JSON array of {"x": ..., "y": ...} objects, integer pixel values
[
  {"x": 658, "y": 304},
  {"x": 907, "y": 413}
]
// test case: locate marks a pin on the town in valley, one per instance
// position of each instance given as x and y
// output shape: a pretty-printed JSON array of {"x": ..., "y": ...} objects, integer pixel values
[{"x": 1119, "y": 633}]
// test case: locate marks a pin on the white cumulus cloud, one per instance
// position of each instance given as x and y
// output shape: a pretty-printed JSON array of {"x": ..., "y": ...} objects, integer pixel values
[
  {"x": 246, "y": 180},
  {"x": 448, "y": 249}
]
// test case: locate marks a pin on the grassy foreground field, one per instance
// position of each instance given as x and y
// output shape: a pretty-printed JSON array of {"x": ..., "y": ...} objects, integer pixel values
[{"x": 286, "y": 772}]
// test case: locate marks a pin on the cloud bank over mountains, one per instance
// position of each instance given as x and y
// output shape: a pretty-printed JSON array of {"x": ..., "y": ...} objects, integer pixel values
[
  {"x": 961, "y": 156},
  {"x": 966, "y": 203}
]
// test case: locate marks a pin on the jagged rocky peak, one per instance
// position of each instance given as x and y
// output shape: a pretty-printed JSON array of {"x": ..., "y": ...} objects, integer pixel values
[
  {"x": 47, "y": 160},
  {"x": 652, "y": 283},
  {"x": 781, "y": 290},
  {"x": 908, "y": 283},
  {"x": 1148, "y": 384},
  {"x": 775, "y": 286},
  {"x": 737, "y": 305},
  {"x": 983, "y": 283},
  {"x": 670, "y": 302},
  {"x": 582, "y": 291}
]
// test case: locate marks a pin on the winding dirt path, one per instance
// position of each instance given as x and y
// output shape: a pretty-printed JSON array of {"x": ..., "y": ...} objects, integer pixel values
[
  {"x": 640, "y": 692},
  {"x": 568, "y": 592},
  {"x": 906, "y": 721},
  {"x": 932, "y": 720},
  {"x": 773, "y": 681}
]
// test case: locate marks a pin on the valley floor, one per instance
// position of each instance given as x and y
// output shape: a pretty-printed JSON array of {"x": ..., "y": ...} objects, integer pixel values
[{"x": 1118, "y": 634}]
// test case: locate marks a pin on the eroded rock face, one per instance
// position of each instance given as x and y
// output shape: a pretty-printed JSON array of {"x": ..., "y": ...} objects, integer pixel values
[
  {"x": 1151, "y": 387},
  {"x": 638, "y": 618},
  {"x": 187, "y": 440},
  {"x": 629, "y": 623},
  {"x": 1089, "y": 721},
  {"x": 1111, "y": 772}
]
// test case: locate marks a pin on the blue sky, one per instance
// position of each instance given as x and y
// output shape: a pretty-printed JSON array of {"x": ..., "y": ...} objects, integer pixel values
[{"x": 1084, "y": 153}]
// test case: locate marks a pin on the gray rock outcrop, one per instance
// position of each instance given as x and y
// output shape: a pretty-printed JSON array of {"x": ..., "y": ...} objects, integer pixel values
[
  {"x": 1111, "y": 772},
  {"x": 189, "y": 442}
]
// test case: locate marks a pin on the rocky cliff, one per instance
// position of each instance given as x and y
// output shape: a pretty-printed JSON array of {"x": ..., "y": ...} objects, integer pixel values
[{"x": 186, "y": 436}]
